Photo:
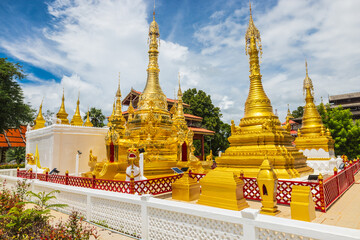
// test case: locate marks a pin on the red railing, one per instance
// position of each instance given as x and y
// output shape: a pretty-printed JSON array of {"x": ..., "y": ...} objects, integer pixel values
[
  {"x": 325, "y": 193},
  {"x": 151, "y": 186}
]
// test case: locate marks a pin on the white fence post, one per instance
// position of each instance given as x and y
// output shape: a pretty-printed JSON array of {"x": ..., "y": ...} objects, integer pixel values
[
  {"x": 249, "y": 226},
  {"x": 88, "y": 207},
  {"x": 144, "y": 216}
]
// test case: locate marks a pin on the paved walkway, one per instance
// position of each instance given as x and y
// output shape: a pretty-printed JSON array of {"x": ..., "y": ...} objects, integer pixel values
[{"x": 345, "y": 212}]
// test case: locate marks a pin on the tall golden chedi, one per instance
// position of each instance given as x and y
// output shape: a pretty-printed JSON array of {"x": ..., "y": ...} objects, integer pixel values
[
  {"x": 39, "y": 121},
  {"x": 62, "y": 114},
  {"x": 313, "y": 139},
  {"x": 149, "y": 127},
  {"x": 259, "y": 134}
]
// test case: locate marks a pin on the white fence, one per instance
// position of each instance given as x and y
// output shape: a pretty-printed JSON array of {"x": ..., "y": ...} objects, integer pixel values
[{"x": 151, "y": 218}]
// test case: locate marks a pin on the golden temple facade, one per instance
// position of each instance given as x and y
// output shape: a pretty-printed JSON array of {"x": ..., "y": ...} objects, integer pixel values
[
  {"x": 313, "y": 135},
  {"x": 151, "y": 127}
]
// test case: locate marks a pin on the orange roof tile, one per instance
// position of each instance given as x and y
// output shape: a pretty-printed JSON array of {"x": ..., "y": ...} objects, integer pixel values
[
  {"x": 3, "y": 141},
  {"x": 192, "y": 116},
  {"x": 15, "y": 137}
]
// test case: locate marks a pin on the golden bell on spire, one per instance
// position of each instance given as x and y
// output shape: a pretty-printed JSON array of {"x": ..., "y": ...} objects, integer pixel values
[
  {"x": 62, "y": 115},
  {"x": 39, "y": 121}
]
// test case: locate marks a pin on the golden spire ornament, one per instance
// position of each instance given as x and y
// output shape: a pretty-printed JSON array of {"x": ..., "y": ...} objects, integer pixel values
[
  {"x": 77, "y": 120},
  {"x": 88, "y": 123},
  {"x": 39, "y": 121},
  {"x": 62, "y": 115}
]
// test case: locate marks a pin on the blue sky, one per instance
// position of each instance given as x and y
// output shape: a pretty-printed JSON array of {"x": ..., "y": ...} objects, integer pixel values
[{"x": 81, "y": 45}]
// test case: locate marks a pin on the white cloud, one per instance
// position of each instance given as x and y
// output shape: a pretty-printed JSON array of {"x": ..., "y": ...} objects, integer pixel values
[{"x": 88, "y": 43}]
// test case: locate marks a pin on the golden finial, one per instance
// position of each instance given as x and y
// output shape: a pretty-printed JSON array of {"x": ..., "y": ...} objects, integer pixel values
[
  {"x": 179, "y": 90},
  {"x": 289, "y": 115},
  {"x": 154, "y": 11},
  {"x": 77, "y": 120},
  {"x": 252, "y": 33},
  {"x": 307, "y": 81},
  {"x": 62, "y": 115},
  {"x": 118, "y": 111},
  {"x": 39, "y": 121},
  {"x": 88, "y": 123}
]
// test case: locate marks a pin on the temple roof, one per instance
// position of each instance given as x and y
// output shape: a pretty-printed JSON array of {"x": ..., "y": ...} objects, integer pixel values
[
  {"x": 13, "y": 137},
  {"x": 202, "y": 131},
  {"x": 133, "y": 96}
]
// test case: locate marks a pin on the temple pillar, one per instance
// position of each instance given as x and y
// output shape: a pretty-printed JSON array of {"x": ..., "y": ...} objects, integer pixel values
[{"x": 202, "y": 148}]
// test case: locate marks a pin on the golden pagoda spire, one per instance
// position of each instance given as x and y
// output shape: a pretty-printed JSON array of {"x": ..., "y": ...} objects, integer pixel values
[
  {"x": 152, "y": 92},
  {"x": 39, "y": 121},
  {"x": 257, "y": 103},
  {"x": 62, "y": 115},
  {"x": 130, "y": 111},
  {"x": 179, "y": 115},
  {"x": 312, "y": 134},
  {"x": 76, "y": 120},
  {"x": 88, "y": 123},
  {"x": 118, "y": 119},
  {"x": 118, "y": 111},
  {"x": 289, "y": 113},
  {"x": 112, "y": 115},
  {"x": 311, "y": 123}
]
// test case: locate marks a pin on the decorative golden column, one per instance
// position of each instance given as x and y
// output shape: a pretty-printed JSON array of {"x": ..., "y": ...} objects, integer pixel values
[
  {"x": 315, "y": 141},
  {"x": 76, "y": 120},
  {"x": 39, "y": 121},
  {"x": 267, "y": 182},
  {"x": 62, "y": 115}
]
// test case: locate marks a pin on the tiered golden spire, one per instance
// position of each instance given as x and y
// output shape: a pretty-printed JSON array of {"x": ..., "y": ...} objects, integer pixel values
[
  {"x": 311, "y": 122},
  {"x": 62, "y": 115},
  {"x": 39, "y": 121},
  {"x": 289, "y": 115},
  {"x": 312, "y": 134},
  {"x": 118, "y": 119},
  {"x": 76, "y": 120},
  {"x": 88, "y": 123},
  {"x": 257, "y": 104},
  {"x": 112, "y": 115},
  {"x": 152, "y": 92},
  {"x": 179, "y": 118},
  {"x": 260, "y": 131}
]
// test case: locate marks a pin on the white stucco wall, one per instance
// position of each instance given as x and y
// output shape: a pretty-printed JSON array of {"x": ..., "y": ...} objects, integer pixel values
[{"x": 58, "y": 145}]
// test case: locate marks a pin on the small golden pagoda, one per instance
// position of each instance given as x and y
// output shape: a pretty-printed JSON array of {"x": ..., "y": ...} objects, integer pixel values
[
  {"x": 76, "y": 120},
  {"x": 62, "y": 115},
  {"x": 259, "y": 132},
  {"x": 313, "y": 139},
  {"x": 88, "y": 123},
  {"x": 39, "y": 121},
  {"x": 166, "y": 140}
]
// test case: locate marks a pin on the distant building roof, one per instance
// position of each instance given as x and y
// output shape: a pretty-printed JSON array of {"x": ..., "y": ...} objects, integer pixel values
[
  {"x": 202, "y": 131},
  {"x": 344, "y": 96},
  {"x": 13, "y": 137}
]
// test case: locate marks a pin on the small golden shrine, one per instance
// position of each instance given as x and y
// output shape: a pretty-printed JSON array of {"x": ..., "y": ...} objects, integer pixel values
[
  {"x": 313, "y": 135},
  {"x": 164, "y": 136}
]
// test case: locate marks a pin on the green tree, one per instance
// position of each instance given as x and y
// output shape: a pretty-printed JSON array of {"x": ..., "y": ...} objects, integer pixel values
[
  {"x": 14, "y": 111},
  {"x": 344, "y": 130},
  {"x": 96, "y": 117},
  {"x": 202, "y": 106},
  {"x": 298, "y": 113},
  {"x": 15, "y": 153}
]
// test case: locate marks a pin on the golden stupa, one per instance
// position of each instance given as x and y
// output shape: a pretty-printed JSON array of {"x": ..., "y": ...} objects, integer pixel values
[
  {"x": 259, "y": 132},
  {"x": 62, "y": 115},
  {"x": 150, "y": 127},
  {"x": 39, "y": 121},
  {"x": 258, "y": 136},
  {"x": 313, "y": 135},
  {"x": 76, "y": 120}
]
